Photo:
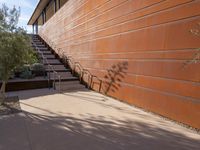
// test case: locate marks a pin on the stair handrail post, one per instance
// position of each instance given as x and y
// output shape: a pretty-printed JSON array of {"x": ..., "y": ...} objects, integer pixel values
[
  {"x": 85, "y": 71},
  {"x": 54, "y": 80},
  {"x": 59, "y": 83},
  {"x": 81, "y": 75},
  {"x": 90, "y": 81},
  {"x": 49, "y": 76},
  {"x": 100, "y": 86}
]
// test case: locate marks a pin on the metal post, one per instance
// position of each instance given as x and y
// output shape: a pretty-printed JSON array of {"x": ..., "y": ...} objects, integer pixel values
[
  {"x": 59, "y": 83},
  {"x": 59, "y": 4},
  {"x": 49, "y": 76},
  {"x": 89, "y": 78},
  {"x": 100, "y": 86},
  {"x": 33, "y": 28},
  {"x": 36, "y": 28},
  {"x": 43, "y": 21},
  {"x": 54, "y": 80},
  {"x": 55, "y": 6},
  {"x": 91, "y": 81},
  {"x": 45, "y": 18}
]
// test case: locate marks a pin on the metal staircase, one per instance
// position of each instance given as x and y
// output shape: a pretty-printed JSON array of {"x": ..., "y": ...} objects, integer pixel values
[{"x": 60, "y": 75}]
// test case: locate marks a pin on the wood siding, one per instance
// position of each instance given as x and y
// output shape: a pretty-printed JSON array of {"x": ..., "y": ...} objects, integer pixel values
[{"x": 138, "y": 48}]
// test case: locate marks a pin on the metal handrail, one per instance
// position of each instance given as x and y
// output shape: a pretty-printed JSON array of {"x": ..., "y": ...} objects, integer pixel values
[
  {"x": 73, "y": 63},
  {"x": 50, "y": 67}
]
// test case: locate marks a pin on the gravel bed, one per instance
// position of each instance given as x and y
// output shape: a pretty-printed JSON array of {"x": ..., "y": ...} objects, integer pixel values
[{"x": 11, "y": 106}]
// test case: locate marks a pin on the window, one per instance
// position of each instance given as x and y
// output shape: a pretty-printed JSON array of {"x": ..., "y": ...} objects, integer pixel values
[
  {"x": 62, "y": 2},
  {"x": 50, "y": 10}
]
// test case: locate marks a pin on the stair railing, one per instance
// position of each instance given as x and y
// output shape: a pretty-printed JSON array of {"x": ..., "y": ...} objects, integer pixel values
[
  {"x": 83, "y": 71},
  {"x": 68, "y": 59},
  {"x": 50, "y": 67}
]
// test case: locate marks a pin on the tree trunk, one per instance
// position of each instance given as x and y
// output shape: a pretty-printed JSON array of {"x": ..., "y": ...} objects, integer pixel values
[{"x": 3, "y": 92}]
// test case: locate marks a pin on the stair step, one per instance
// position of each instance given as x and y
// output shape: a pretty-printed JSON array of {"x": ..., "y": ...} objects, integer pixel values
[
  {"x": 46, "y": 52},
  {"x": 66, "y": 79},
  {"x": 69, "y": 86},
  {"x": 54, "y": 62},
  {"x": 43, "y": 48},
  {"x": 58, "y": 68},
  {"x": 36, "y": 40},
  {"x": 68, "y": 82},
  {"x": 63, "y": 75},
  {"x": 40, "y": 45},
  {"x": 48, "y": 56}
]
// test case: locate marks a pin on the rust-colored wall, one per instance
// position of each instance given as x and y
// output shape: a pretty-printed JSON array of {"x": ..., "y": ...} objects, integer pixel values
[{"x": 138, "y": 47}]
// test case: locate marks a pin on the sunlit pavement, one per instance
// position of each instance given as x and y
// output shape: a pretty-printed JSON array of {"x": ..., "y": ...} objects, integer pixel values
[{"x": 86, "y": 120}]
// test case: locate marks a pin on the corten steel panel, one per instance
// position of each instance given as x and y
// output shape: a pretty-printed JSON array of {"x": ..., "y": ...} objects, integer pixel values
[{"x": 142, "y": 45}]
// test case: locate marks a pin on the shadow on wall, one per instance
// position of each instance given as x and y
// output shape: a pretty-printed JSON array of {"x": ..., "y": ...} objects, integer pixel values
[{"x": 114, "y": 76}]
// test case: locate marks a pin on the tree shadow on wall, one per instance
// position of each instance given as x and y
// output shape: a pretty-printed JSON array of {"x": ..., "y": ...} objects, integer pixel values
[{"x": 114, "y": 76}]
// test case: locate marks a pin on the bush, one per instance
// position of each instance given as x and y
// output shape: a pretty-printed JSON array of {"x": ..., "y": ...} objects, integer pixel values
[
  {"x": 12, "y": 75},
  {"x": 19, "y": 70},
  {"x": 38, "y": 69},
  {"x": 26, "y": 75}
]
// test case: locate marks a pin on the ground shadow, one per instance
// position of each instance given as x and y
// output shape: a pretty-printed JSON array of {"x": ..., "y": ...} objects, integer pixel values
[
  {"x": 90, "y": 132},
  {"x": 54, "y": 130}
]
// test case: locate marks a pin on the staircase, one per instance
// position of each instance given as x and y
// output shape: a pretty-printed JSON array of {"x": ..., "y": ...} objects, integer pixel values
[{"x": 59, "y": 75}]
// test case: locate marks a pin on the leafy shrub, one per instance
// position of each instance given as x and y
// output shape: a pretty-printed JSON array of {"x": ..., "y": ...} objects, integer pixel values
[
  {"x": 37, "y": 67},
  {"x": 19, "y": 70},
  {"x": 26, "y": 75},
  {"x": 12, "y": 75}
]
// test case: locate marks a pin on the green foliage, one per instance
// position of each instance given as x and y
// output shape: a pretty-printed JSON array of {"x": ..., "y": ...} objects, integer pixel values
[
  {"x": 27, "y": 74},
  {"x": 21, "y": 69},
  {"x": 15, "y": 44},
  {"x": 38, "y": 67},
  {"x": 24, "y": 72}
]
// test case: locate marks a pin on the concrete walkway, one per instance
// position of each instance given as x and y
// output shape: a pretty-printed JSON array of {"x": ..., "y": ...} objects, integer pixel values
[{"x": 85, "y": 120}]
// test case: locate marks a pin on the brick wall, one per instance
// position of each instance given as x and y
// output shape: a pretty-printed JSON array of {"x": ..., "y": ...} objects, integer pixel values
[{"x": 138, "y": 48}]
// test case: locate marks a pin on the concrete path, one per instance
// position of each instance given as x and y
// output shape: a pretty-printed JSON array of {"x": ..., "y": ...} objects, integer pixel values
[{"x": 85, "y": 120}]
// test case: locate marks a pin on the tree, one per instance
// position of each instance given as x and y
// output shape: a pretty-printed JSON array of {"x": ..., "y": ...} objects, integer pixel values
[{"x": 15, "y": 46}]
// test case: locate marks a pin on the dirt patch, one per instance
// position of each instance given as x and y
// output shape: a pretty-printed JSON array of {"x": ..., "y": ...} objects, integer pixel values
[{"x": 10, "y": 106}]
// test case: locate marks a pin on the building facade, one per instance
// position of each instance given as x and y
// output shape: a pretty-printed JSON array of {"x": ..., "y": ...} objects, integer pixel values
[{"x": 138, "y": 48}]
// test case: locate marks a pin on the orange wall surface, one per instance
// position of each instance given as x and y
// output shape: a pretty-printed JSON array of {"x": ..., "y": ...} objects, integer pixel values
[{"x": 138, "y": 48}]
